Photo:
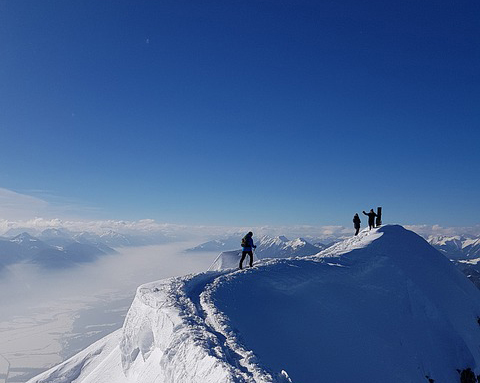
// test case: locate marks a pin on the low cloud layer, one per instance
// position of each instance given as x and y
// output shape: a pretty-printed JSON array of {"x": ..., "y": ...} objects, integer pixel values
[
  {"x": 24, "y": 285},
  {"x": 144, "y": 226},
  {"x": 47, "y": 316},
  {"x": 185, "y": 232}
]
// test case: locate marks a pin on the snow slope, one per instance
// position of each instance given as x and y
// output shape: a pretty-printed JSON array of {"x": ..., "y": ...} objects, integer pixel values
[{"x": 383, "y": 306}]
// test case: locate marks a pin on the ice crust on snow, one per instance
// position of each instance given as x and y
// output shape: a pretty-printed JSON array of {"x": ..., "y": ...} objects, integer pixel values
[{"x": 381, "y": 306}]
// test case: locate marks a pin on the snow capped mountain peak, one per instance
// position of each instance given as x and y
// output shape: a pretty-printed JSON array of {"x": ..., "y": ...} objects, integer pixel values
[
  {"x": 24, "y": 238},
  {"x": 444, "y": 240},
  {"x": 111, "y": 234},
  {"x": 380, "y": 306},
  {"x": 282, "y": 247},
  {"x": 267, "y": 241},
  {"x": 363, "y": 239},
  {"x": 298, "y": 242}
]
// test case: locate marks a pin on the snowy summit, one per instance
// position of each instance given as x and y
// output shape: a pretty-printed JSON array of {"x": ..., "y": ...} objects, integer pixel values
[{"x": 384, "y": 306}]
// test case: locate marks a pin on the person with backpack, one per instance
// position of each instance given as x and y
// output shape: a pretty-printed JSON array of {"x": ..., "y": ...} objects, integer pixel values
[
  {"x": 371, "y": 218},
  {"x": 247, "y": 248},
  {"x": 356, "y": 223}
]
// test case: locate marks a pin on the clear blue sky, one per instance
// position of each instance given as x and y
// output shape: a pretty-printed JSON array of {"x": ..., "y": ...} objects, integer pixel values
[{"x": 244, "y": 112}]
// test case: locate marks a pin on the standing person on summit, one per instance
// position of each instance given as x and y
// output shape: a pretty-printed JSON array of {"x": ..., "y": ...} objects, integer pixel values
[
  {"x": 356, "y": 223},
  {"x": 247, "y": 248},
  {"x": 371, "y": 218}
]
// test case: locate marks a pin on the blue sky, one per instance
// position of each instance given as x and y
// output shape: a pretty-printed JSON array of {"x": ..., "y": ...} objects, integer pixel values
[{"x": 243, "y": 112}]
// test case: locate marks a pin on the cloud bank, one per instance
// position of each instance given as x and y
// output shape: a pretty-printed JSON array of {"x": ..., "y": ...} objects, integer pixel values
[{"x": 21, "y": 211}]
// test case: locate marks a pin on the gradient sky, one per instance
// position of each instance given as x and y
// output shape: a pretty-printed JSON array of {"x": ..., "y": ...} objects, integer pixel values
[{"x": 243, "y": 112}]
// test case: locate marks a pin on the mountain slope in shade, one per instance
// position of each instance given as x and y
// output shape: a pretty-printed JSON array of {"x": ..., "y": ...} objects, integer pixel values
[{"x": 382, "y": 306}]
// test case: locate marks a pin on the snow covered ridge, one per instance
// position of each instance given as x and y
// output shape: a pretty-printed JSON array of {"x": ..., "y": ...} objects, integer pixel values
[{"x": 382, "y": 306}]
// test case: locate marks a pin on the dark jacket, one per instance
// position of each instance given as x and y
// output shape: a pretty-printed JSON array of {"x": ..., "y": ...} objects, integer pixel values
[
  {"x": 356, "y": 221},
  {"x": 371, "y": 217}
]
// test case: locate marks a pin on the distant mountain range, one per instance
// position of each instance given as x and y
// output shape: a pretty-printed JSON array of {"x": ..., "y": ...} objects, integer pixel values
[
  {"x": 221, "y": 244},
  {"x": 61, "y": 248},
  {"x": 463, "y": 251},
  {"x": 267, "y": 247},
  {"x": 456, "y": 247},
  {"x": 282, "y": 247},
  {"x": 55, "y": 250}
]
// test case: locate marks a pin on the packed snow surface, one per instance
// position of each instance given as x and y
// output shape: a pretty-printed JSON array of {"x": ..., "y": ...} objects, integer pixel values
[{"x": 382, "y": 306}]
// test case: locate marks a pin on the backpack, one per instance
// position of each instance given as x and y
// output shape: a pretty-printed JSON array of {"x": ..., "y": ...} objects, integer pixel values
[{"x": 245, "y": 241}]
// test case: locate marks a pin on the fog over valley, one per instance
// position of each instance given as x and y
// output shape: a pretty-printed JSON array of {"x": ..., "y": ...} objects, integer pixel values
[{"x": 50, "y": 314}]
